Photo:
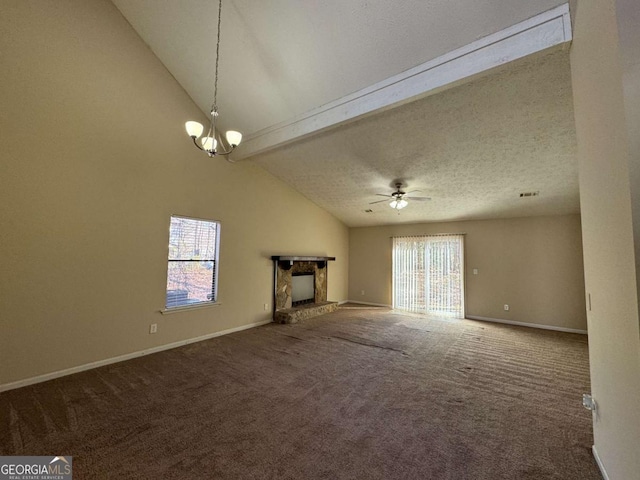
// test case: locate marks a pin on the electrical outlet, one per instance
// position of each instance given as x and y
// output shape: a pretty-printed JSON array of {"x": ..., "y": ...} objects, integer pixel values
[
  {"x": 153, "y": 328},
  {"x": 266, "y": 307},
  {"x": 475, "y": 271},
  {"x": 362, "y": 292},
  {"x": 506, "y": 307}
]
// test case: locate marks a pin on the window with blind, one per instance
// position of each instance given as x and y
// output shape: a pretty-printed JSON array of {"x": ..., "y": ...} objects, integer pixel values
[
  {"x": 428, "y": 274},
  {"x": 192, "y": 273}
]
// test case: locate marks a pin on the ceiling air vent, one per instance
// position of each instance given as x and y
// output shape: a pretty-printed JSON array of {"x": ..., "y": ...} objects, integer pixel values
[{"x": 529, "y": 194}]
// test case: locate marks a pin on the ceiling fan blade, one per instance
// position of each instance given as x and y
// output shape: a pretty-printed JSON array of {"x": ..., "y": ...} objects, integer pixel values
[
  {"x": 379, "y": 201},
  {"x": 412, "y": 191},
  {"x": 418, "y": 199},
  {"x": 382, "y": 195}
]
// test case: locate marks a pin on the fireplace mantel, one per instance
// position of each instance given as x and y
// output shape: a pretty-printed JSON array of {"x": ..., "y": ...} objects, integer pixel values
[{"x": 291, "y": 258}]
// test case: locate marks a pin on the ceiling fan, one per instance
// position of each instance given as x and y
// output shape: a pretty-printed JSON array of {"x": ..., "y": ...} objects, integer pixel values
[{"x": 399, "y": 198}]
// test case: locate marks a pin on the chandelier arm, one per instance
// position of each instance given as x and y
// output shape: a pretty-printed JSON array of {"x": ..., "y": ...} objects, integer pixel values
[
  {"x": 196, "y": 144},
  {"x": 225, "y": 152}
]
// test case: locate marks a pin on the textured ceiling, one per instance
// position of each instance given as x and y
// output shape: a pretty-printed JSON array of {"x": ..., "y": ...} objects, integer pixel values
[
  {"x": 472, "y": 148},
  {"x": 281, "y": 58}
]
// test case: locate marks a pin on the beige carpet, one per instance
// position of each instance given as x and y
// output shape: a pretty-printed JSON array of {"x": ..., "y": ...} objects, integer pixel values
[{"x": 362, "y": 393}]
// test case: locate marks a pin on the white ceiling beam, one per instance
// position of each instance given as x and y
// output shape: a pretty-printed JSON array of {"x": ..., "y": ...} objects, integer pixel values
[{"x": 546, "y": 30}]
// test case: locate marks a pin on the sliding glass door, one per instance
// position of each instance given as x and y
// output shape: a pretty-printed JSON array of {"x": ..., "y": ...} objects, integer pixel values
[{"x": 428, "y": 274}]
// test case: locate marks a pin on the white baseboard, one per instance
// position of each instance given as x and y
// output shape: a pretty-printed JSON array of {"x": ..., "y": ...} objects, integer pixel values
[
  {"x": 122, "y": 358},
  {"x": 523, "y": 324},
  {"x": 599, "y": 462},
  {"x": 342, "y": 302},
  {"x": 369, "y": 303}
]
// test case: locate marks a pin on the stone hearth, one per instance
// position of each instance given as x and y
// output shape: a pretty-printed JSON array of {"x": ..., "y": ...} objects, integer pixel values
[
  {"x": 309, "y": 310},
  {"x": 284, "y": 269}
]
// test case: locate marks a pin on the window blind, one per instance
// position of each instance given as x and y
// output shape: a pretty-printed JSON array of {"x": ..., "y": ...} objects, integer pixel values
[
  {"x": 428, "y": 274},
  {"x": 193, "y": 260}
]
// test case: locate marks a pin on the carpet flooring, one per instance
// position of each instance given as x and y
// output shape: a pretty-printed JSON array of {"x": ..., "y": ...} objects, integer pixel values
[{"x": 361, "y": 393}]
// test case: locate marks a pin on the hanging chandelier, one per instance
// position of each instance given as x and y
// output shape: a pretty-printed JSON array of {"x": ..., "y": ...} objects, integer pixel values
[{"x": 209, "y": 142}]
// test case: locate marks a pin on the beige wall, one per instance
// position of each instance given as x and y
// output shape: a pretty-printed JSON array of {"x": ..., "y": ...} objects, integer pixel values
[
  {"x": 604, "y": 151},
  {"x": 532, "y": 264},
  {"x": 93, "y": 161}
]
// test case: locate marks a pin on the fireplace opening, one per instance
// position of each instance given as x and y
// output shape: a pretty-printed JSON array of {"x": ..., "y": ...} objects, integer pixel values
[{"x": 303, "y": 288}]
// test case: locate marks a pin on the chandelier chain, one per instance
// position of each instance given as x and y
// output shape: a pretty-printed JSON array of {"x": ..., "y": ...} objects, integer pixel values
[{"x": 215, "y": 85}]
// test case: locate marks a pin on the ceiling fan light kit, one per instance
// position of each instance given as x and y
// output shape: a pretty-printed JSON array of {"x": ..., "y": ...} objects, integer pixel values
[
  {"x": 399, "y": 199},
  {"x": 398, "y": 204},
  {"x": 209, "y": 143}
]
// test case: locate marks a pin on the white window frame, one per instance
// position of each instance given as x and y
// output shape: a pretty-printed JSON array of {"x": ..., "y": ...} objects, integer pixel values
[{"x": 194, "y": 304}]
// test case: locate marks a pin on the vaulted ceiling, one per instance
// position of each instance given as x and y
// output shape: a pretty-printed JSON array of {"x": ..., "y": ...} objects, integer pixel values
[{"x": 472, "y": 147}]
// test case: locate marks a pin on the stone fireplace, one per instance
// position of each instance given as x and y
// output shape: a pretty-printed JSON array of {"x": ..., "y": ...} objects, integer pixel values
[{"x": 289, "y": 306}]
